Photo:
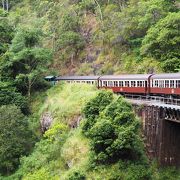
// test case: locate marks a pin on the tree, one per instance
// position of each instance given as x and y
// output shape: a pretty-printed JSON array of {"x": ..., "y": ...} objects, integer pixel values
[
  {"x": 27, "y": 59},
  {"x": 70, "y": 41},
  {"x": 7, "y": 4},
  {"x": 162, "y": 42},
  {"x": 14, "y": 138},
  {"x": 94, "y": 107},
  {"x": 6, "y": 32},
  {"x": 9, "y": 95},
  {"x": 114, "y": 133}
]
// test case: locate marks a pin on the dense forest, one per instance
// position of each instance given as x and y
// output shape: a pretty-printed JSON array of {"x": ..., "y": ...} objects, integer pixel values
[{"x": 79, "y": 37}]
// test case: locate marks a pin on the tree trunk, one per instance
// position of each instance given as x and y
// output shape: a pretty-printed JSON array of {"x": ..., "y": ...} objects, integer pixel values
[
  {"x": 72, "y": 60},
  {"x": 3, "y": 4},
  {"x": 29, "y": 88},
  {"x": 100, "y": 11},
  {"x": 7, "y": 5}
]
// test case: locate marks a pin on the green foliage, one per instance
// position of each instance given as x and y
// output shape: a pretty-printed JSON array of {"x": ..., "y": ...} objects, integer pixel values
[
  {"x": 87, "y": 6},
  {"x": 26, "y": 61},
  {"x": 87, "y": 37},
  {"x": 65, "y": 102},
  {"x": 41, "y": 174},
  {"x": 113, "y": 129},
  {"x": 55, "y": 133},
  {"x": 76, "y": 175},
  {"x": 94, "y": 107},
  {"x": 70, "y": 40},
  {"x": 6, "y": 32},
  {"x": 125, "y": 170},
  {"x": 162, "y": 42},
  {"x": 58, "y": 147},
  {"x": 15, "y": 138},
  {"x": 9, "y": 95},
  {"x": 75, "y": 150},
  {"x": 137, "y": 171},
  {"x": 45, "y": 151},
  {"x": 170, "y": 173},
  {"x": 70, "y": 22}
]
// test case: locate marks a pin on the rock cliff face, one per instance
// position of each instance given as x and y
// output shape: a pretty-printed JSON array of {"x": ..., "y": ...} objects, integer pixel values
[
  {"x": 46, "y": 121},
  {"x": 75, "y": 121}
]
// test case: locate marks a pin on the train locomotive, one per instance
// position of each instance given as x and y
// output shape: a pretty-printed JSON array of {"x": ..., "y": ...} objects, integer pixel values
[{"x": 167, "y": 85}]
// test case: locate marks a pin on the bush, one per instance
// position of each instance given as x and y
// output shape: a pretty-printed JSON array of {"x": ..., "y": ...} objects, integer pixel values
[
  {"x": 113, "y": 129},
  {"x": 94, "y": 107},
  {"x": 15, "y": 138},
  {"x": 76, "y": 175},
  {"x": 9, "y": 95},
  {"x": 135, "y": 171}
]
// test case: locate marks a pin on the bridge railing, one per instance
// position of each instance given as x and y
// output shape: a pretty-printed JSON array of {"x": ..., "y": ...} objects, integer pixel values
[{"x": 157, "y": 99}]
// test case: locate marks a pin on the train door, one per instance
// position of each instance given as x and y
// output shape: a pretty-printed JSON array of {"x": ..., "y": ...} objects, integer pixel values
[{"x": 146, "y": 87}]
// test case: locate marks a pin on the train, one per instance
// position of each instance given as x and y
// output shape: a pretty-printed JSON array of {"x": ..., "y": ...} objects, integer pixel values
[{"x": 167, "y": 84}]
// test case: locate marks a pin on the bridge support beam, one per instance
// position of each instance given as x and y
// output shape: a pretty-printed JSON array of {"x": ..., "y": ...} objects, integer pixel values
[{"x": 161, "y": 129}]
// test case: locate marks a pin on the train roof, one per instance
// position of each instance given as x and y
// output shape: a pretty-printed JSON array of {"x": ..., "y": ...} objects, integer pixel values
[
  {"x": 167, "y": 76},
  {"x": 77, "y": 78},
  {"x": 49, "y": 77},
  {"x": 126, "y": 77}
]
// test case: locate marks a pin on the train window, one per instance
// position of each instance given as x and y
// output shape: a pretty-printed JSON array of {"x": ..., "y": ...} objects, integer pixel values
[
  {"x": 167, "y": 83},
  {"x": 177, "y": 83},
  {"x": 126, "y": 83},
  {"x": 120, "y": 83},
  {"x": 115, "y": 83},
  {"x": 161, "y": 83},
  {"x": 105, "y": 83},
  {"x": 133, "y": 83},
  {"x": 139, "y": 84},
  {"x": 151, "y": 83},
  {"x": 171, "y": 83},
  {"x": 110, "y": 83},
  {"x": 156, "y": 84}
]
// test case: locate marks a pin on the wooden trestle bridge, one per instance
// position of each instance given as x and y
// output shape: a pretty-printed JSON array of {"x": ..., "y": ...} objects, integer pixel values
[{"x": 161, "y": 127}]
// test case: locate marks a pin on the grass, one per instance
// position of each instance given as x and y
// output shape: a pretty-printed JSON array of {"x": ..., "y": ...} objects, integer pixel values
[
  {"x": 63, "y": 158},
  {"x": 66, "y": 101}
]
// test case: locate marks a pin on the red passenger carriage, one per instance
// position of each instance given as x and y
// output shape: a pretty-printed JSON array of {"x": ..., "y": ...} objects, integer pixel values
[
  {"x": 146, "y": 84},
  {"x": 134, "y": 83},
  {"x": 165, "y": 84}
]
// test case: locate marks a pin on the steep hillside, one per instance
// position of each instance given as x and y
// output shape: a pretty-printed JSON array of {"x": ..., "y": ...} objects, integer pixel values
[
  {"x": 67, "y": 149},
  {"x": 105, "y": 37},
  {"x": 72, "y": 131}
]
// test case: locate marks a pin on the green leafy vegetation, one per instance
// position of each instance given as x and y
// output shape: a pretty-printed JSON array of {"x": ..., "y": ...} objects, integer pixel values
[
  {"x": 9, "y": 95},
  {"x": 26, "y": 61},
  {"x": 113, "y": 130},
  {"x": 15, "y": 138},
  {"x": 82, "y": 37},
  {"x": 162, "y": 42}
]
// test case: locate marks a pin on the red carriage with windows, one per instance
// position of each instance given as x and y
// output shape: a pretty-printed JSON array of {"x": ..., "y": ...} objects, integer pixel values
[
  {"x": 146, "y": 84},
  {"x": 135, "y": 83}
]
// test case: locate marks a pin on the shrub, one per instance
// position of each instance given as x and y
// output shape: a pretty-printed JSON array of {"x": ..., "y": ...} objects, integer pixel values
[
  {"x": 76, "y": 175},
  {"x": 113, "y": 130},
  {"x": 94, "y": 107},
  {"x": 15, "y": 138}
]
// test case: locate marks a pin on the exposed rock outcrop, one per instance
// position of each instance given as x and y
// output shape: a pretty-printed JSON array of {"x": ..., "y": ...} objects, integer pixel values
[{"x": 46, "y": 121}]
